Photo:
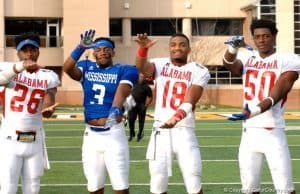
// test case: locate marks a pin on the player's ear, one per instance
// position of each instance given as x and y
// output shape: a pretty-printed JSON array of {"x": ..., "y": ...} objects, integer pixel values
[
  {"x": 113, "y": 53},
  {"x": 189, "y": 50}
]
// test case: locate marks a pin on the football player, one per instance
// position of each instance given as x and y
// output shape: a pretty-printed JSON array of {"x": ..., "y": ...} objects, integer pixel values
[
  {"x": 105, "y": 88},
  {"x": 27, "y": 94},
  {"x": 268, "y": 76},
  {"x": 179, "y": 86}
]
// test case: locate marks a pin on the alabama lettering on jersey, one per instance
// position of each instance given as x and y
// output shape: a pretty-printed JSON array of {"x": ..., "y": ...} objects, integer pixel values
[
  {"x": 172, "y": 83},
  {"x": 100, "y": 85},
  {"x": 259, "y": 77},
  {"x": 22, "y": 98}
]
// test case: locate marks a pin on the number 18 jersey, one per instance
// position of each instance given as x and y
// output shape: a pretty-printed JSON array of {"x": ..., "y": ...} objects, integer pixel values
[
  {"x": 171, "y": 84},
  {"x": 259, "y": 77}
]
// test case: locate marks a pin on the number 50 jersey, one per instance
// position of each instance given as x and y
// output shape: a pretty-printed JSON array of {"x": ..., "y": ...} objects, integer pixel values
[
  {"x": 22, "y": 98},
  {"x": 259, "y": 77}
]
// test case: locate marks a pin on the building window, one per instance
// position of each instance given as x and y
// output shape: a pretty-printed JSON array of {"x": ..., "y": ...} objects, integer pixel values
[
  {"x": 156, "y": 27},
  {"x": 220, "y": 75},
  {"x": 297, "y": 26},
  {"x": 216, "y": 27},
  {"x": 115, "y": 27},
  {"x": 267, "y": 10},
  {"x": 48, "y": 29}
]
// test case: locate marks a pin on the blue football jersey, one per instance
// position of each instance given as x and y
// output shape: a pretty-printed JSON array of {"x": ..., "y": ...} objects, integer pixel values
[{"x": 100, "y": 85}]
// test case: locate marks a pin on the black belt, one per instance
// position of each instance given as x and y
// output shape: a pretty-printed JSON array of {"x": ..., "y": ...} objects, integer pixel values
[{"x": 99, "y": 129}]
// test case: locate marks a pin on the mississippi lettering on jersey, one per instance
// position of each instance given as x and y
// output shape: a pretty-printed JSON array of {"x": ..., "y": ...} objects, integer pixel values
[
  {"x": 259, "y": 77},
  {"x": 100, "y": 85}
]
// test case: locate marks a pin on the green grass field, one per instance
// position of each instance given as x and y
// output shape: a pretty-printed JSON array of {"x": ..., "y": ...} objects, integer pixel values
[{"x": 219, "y": 140}]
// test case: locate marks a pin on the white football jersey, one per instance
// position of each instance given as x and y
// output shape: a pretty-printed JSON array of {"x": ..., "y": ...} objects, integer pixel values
[
  {"x": 22, "y": 98},
  {"x": 172, "y": 83},
  {"x": 259, "y": 77}
]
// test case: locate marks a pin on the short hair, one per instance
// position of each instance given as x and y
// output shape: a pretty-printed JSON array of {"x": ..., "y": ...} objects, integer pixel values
[
  {"x": 263, "y": 24},
  {"x": 107, "y": 39},
  {"x": 180, "y": 35},
  {"x": 28, "y": 35}
]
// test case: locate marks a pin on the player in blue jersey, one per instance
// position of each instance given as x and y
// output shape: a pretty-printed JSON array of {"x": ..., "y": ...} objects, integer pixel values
[{"x": 105, "y": 87}]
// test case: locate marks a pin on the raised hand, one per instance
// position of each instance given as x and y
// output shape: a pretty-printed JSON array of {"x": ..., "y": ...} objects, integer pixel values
[
  {"x": 143, "y": 41},
  {"x": 86, "y": 39},
  {"x": 238, "y": 42},
  {"x": 29, "y": 64}
]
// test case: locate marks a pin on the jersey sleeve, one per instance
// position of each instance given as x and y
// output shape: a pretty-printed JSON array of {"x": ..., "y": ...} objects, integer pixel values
[
  {"x": 202, "y": 76},
  {"x": 82, "y": 65},
  {"x": 129, "y": 75},
  {"x": 54, "y": 80},
  {"x": 291, "y": 63},
  {"x": 244, "y": 56}
]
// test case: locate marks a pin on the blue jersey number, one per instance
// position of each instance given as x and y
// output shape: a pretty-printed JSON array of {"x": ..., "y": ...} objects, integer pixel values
[{"x": 100, "y": 92}]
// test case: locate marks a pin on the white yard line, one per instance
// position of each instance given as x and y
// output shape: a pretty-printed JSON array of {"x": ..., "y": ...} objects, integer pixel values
[
  {"x": 147, "y": 184},
  {"x": 136, "y": 147},
  {"x": 146, "y": 136},
  {"x": 143, "y": 161}
]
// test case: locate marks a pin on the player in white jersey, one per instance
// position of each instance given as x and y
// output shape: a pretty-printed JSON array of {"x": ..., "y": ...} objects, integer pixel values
[
  {"x": 268, "y": 76},
  {"x": 27, "y": 94},
  {"x": 179, "y": 86}
]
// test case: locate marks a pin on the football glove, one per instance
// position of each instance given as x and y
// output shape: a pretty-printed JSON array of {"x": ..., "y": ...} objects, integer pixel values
[
  {"x": 114, "y": 112},
  {"x": 238, "y": 42},
  {"x": 86, "y": 39},
  {"x": 246, "y": 114}
]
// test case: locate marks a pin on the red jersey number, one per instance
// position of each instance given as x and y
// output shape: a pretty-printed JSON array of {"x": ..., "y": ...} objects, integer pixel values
[
  {"x": 266, "y": 82},
  {"x": 178, "y": 91},
  {"x": 36, "y": 96}
]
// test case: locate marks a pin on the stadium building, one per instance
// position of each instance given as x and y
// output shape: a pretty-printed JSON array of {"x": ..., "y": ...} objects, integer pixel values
[{"x": 207, "y": 23}]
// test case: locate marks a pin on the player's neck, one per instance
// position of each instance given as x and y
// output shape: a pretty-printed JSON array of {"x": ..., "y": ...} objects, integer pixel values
[
  {"x": 179, "y": 63},
  {"x": 266, "y": 54}
]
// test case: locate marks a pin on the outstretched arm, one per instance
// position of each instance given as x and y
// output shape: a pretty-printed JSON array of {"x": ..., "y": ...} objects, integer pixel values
[
  {"x": 49, "y": 104},
  {"x": 116, "y": 113},
  {"x": 141, "y": 58},
  {"x": 192, "y": 97},
  {"x": 280, "y": 91}
]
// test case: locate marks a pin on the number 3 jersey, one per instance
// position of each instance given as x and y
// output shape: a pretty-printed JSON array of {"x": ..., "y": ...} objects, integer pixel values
[
  {"x": 172, "y": 83},
  {"x": 259, "y": 77},
  {"x": 22, "y": 98},
  {"x": 100, "y": 85}
]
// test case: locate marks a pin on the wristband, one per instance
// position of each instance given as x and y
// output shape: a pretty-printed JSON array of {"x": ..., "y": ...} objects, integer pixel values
[
  {"x": 186, "y": 107},
  {"x": 142, "y": 52},
  {"x": 232, "y": 50},
  {"x": 256, "y": 110},
  {"x": 271, "y": 99},
  {"x": 77, "y": 52},
  {"x": 116, "y": 110},
  {"x": 228, "y": 62},
  {"x": 179, "y": 115}
]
